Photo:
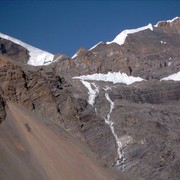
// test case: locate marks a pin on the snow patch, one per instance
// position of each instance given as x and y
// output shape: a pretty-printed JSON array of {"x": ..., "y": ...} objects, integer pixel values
[
  {"x": 95, "y": 46},
  {"x": 120, "y": 39},
  {"x": 169, "y": 63},
  {"x": 75, "y": 55},
  {"x": 163, "y": 42},
  {"x": 115, "y": 77},
  {"x": 93, "y": 92},
  {"x": 174, "y": 77},
  {"x": 38, "y": 57}
]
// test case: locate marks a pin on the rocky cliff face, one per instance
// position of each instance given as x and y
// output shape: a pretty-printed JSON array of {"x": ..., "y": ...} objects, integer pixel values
[
  {"x": 146, "y": 121},
  {"x": 133, "y": 128},
  {"x": 2, "y": 109},
  {"x": 48, "y": 94}
]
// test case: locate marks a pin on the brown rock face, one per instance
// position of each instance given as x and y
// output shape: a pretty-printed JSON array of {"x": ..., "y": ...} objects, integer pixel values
[
  {"x": 48, "y": 94},
  {"x": 170, "y": 27},
  {"x": 146, "y": 121},
  {"x": 144, "y": 116}
]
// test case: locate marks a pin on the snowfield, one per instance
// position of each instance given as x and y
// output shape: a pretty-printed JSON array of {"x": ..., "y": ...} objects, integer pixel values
[
  {"x": 115, "y": 77},
  {"x": 174, "y": 77}
]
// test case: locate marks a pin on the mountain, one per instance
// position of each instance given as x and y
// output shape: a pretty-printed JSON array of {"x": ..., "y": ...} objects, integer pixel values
[{"x": 110, "y": 112}]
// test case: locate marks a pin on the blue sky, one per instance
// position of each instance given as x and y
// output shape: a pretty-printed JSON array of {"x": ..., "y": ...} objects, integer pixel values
[{"x": 63, "y": 26}]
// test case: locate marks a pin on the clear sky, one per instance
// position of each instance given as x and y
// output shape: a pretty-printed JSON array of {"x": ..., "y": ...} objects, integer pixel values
[{"x": 63, "y": 26}]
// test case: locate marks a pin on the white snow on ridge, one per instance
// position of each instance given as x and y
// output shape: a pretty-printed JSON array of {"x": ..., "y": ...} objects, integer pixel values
[
  {"x": 174, "y": 77},
  {"x": 115, "y": 77},
  {"x": 173, "y": 19},
  {"x": 38, "y": 57},
  {"x": 75, "y": 55},
  {"x": 120, "y": 39},
  {"x": 95, "y": 45},
  {"x": 170, "y": 21}
]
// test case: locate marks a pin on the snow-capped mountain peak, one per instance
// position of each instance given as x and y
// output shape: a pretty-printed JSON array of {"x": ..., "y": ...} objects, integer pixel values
[
  {"x": 120, "y": 39},
  {"x": 38, "y": 57}
]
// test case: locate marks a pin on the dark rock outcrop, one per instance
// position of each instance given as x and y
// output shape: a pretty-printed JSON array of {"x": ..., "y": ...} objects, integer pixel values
[
  {"x": 2, "y": 109},
  {"x": 14, "y": 51},
  {"x": 152, "y": 92}
]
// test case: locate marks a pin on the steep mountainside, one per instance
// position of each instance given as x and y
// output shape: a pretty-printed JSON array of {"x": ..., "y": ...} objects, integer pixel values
[{"x": 115, "y": 99}]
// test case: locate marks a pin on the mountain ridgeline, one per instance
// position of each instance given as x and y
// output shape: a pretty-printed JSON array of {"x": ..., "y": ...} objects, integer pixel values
[{"x": 118, "y": 101}]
